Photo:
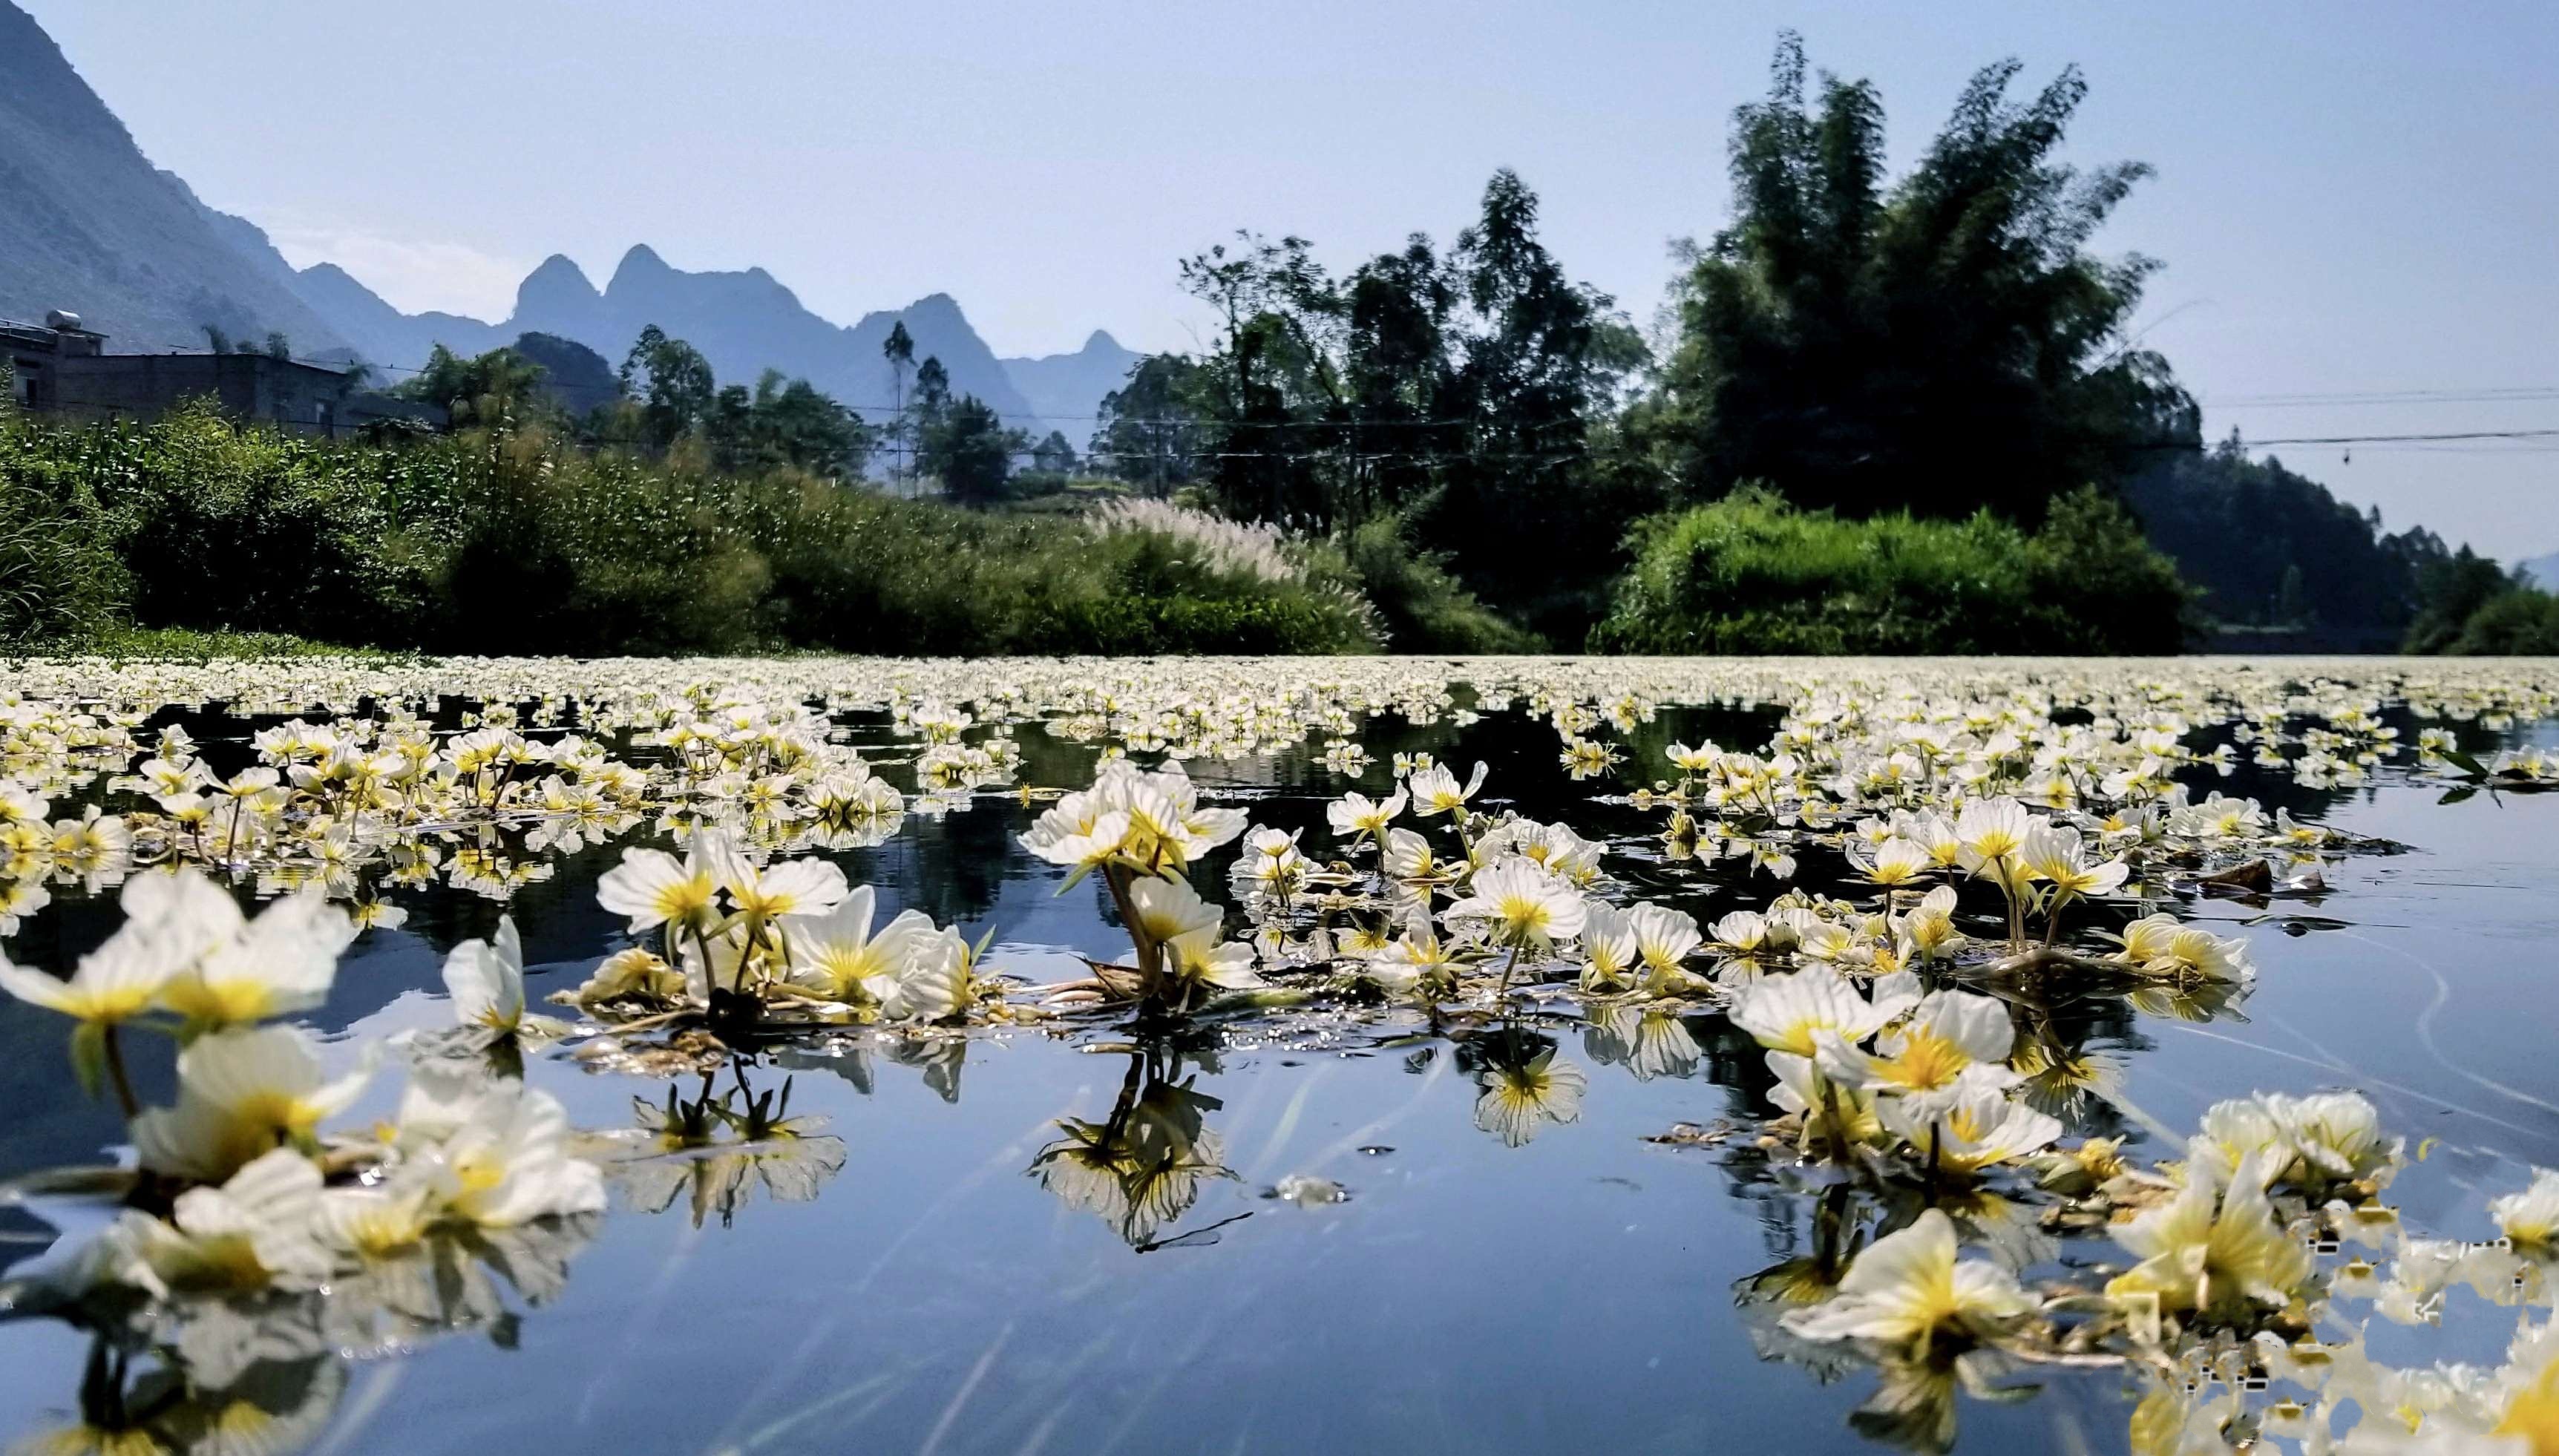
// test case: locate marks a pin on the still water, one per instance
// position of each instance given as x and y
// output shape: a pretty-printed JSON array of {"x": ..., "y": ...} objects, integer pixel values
[{"x": 1364, "y": 1266}]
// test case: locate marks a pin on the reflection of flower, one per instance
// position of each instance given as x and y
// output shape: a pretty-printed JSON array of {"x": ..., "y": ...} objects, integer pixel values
[
  {"x": 1523, "y": 1087},
  {"x": 1143, "y": 1166},
  {"x": 1648, "y": 1041}
]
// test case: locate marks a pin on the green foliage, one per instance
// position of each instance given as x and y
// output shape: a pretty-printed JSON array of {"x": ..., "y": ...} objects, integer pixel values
[
  {"x": 1153, "y": 429},
  {"x": 671, "y": 383},
  {"x": 2469, "y": 605},
  {"x": 523, "y": 541},
  {"x": 223, "y": 528},
  {"x": 58, "y": 574},
  {"x": 499, "y": 388},
  {"x": 2273, "y": 549},
  {"x": 1751, "y": 574},
  {"x": 1423, "y": 608},
  {"x": 179, "y": 645},
  {"x": 2518, "y": 623},
  {"x": 965, "y": 446},
  {"x": 786, "y": 422},
  {"x": 1464, "y": 389},
  {"x": 1935, "y": 346}
]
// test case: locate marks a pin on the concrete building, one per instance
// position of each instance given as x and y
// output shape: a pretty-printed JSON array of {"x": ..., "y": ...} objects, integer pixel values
[
  {"x": 64, "y": 369},
  {"x": 36, "y": 353}
]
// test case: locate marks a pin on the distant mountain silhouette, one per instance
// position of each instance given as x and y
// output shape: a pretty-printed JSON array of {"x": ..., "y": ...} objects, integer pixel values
[
  {"x": 86, "y": 223},
  {"x": 1065, "y": 390},
  {"x": 2541, "y": 571},
  {"x": 744, "y": 323}
]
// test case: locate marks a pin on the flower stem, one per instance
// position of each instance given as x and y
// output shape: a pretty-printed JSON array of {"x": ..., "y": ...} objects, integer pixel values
[{"x": 115, "y": 1072}]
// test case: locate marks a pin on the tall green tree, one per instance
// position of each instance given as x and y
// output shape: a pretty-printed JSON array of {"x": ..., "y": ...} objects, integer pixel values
[
  {"x": 1154, "y": 431},
  {"x": 2270, "y": 546},
  {"x": 967, "y": 447},
  {"x": 671, "y": 384},
  {"x": 1054, "y": 455},
  {"x": 1463, "y": 391},
  {"x": 498, "y": 389},
  {"x": 899, "y": 349},
  {"x": 1942, "y": 343}
]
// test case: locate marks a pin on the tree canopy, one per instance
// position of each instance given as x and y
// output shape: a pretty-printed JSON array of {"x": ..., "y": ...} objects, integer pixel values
[{"x": 1939, "y": 344}]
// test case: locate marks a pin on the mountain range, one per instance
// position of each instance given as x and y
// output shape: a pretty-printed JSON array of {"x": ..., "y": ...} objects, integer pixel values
[{"x": 88, "y": 225}]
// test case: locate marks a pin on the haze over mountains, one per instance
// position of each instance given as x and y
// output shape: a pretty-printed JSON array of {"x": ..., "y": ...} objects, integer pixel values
[{"x": 88, "y": 223}]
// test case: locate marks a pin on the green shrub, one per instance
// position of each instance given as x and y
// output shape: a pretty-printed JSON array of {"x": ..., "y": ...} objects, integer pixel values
[
  {"x": 1752, "y": 574},
  {"x": 522, "y": 542},
  {"x": 2517, "y": 623},
  {"x": 59, "y": 576},
  {"x": 1421, "y": 605}
]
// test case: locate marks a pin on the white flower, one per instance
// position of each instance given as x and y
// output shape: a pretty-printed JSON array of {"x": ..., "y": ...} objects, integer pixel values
[
  {"x": 1664, "y": 937},
  {"x": 2157, "y": 945},
  {"x": 113, "y": 984},
  {"x": 2531, "y": 1218},
  {"x": 1165, "y": 909},
  {"x": 937, "y": 978},
  {"x": 1787, "y": 1013},
  {"x": 1949, "y": 1033},
  {"x": 1521, "y": 903},
  {"x": 1355, "y": 813},
  {"x": 765, "y": 893},
  {"x": 1992, "y": 830},
  {"x": 241, "y": 1094},
  {"x": 1607, "y": 950},
  {"x": 1907, "y": 1289},
  {"x": 2054, "y": 852},
  {"x": 1973, "y": 1127},
  {"x": 2200, "y": 1249},
  {"x": 1408, "y": 856},
  {"x": 1435, "y": 790},
  {"x": 1896, "y": 861},
  {"x": 281, "y": 962},
  {"x": 1199, "y": 957},
  {"x": 507, "y": 1162},
  {"x": 837, "y": 955},
  {"x": 485, "y": 979},
  {"x": 257, "y": 1229},
  {"x": 653, "y": 888}
]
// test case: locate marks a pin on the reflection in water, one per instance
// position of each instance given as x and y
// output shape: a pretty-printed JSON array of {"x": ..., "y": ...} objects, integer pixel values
[
  {"x": 713, "y": 1149},
  {"x": 1522, "y": 1086},
  {"x": 1937, "y": 1138},
  {"x": 1141, "y": 1167},
  {"x": 1649, "y": 1040}
]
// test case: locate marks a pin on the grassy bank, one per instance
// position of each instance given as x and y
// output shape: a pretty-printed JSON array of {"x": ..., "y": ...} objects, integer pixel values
[{"x": 522, "y": 542}]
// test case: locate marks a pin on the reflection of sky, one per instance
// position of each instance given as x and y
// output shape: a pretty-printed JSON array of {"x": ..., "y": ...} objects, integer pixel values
[{"x": 1570, "y": 1294}]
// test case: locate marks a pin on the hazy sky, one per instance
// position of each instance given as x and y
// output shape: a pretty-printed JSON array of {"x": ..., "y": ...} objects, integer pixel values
[{"x": 2352, "y": 199}]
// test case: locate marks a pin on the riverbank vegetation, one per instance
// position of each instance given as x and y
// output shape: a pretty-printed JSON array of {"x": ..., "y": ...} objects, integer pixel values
[{"x": 1879, "y": 415}]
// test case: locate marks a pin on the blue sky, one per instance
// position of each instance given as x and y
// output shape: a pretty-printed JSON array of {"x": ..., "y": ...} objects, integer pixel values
[{"x": 2352, "y": 199}]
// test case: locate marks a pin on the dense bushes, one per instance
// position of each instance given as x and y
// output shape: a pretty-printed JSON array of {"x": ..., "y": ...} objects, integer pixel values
[
  {"x": 1752, "y": 574},
  {"x": 1421, "y": 605},
  {"x": 2518, "y": 623},
  {"x": 58, "y": 573},
  {"x": 519, "y": 542}
]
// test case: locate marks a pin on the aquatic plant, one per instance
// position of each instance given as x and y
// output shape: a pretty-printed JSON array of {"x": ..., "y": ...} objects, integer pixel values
[{"x": 1939, "y": 867}]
